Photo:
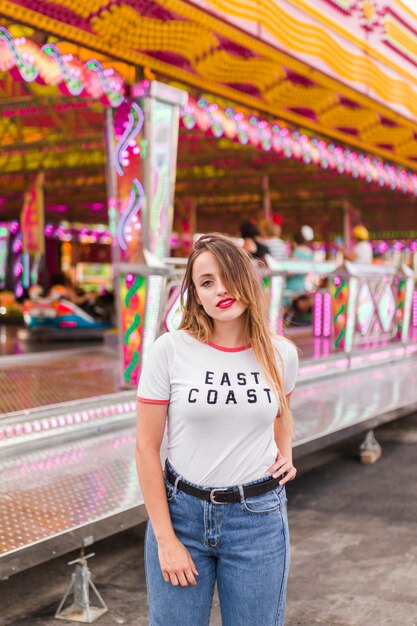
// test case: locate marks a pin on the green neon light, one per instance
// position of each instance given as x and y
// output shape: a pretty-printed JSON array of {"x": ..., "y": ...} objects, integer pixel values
[
  {"x": 132, "y": 365},
  {"x": 132, "y": 290},
  {"x": 339, "y": 337},
  {"x": 134, "y": 325}
]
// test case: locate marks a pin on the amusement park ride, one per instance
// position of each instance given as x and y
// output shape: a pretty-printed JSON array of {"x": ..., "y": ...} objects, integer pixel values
[{"x": 234, "y": 110}]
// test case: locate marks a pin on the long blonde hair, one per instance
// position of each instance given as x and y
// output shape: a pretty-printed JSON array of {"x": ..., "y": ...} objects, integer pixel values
[{"x": 243, "y": 284}]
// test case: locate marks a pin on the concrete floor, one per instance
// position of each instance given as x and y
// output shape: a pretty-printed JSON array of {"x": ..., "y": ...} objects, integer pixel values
[{"x": 354, "y": 549}]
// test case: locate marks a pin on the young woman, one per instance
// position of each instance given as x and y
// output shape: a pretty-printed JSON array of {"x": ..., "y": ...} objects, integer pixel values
[{"x": 218, "y": 513}]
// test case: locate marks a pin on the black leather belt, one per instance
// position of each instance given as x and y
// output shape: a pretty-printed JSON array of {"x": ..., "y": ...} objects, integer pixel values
[{"x": 219, "y": 495}]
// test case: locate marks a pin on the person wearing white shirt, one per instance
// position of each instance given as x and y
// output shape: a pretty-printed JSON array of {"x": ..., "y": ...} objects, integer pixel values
[
  {"x": 271, "y": 232},
  {"x": 362, "y": 250},
  {"x": 222, "y": 385}
]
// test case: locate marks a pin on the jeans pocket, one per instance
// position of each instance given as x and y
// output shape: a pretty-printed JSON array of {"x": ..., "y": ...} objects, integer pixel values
[
  {"x": 169, "y": 490},
  {"x": 264, "y": 503}
]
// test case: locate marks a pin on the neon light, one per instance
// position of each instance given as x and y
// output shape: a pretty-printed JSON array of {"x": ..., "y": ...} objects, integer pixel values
[
  {"x": 317, "y": 314},
  {"x": 135, "y": 202},
  {"x": 26, "y": 69},
  {"x": 153, "y": 300},
  {"x": 110, "y": 87},
  {"x": 415, "y": 309},
  {"x": 131, "y": 367},
  {"x": 135, "y": 123},
  {"x": 72, "y": 83},
  {"x": 275, "y": 299},
  {"x": 26, "y": 270},
  {"x": 38, "y": 428},
  {"x": 156, "y": 225},
  {"x": 408, "y": 293},
  {"x": 339, "y": 293},
  {"x": 291, "y": 144},
  {"x": 351, "y": 313},
  {"x": 132, "y": 328},
  {"x": 327, "y": 315},
  {"x": 133, "y": 306},
  {"x": 67, "y": 72}
]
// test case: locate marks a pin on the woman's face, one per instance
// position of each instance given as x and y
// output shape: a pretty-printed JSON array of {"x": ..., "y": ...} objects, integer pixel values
[{"x": 211, "y": 291}]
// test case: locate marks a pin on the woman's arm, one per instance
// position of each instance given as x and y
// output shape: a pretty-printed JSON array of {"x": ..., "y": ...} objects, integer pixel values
[
  {"x": 176, "y": 563},
  {"x": 150, "y": 426},
  {"x": 283, "y": 439}
]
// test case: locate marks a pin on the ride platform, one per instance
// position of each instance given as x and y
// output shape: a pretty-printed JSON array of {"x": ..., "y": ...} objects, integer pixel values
[{"x": 68, "y": 469}]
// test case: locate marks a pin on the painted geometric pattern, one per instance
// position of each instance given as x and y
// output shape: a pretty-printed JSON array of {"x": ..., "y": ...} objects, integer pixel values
[
  {"x": 386, "y": 307},
  {"x": 366, "y": 309},
  {"x": 376, "y": 308}
]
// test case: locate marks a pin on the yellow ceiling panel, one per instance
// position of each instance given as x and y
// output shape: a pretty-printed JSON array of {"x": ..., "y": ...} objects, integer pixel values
[
  {"x": 124, "y": 26},
  {"x": 345, "y": 117},
  {"x": 387, "y": 135},
  {"x": 83, "y": 8},
  {"x": 288, "y": 94},
  {"x": 225, "y": 67},
  {"x": 408, "y": 150}
]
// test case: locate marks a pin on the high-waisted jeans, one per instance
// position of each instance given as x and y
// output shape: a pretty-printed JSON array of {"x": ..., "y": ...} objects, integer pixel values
[{"x": 243, "y": 545}]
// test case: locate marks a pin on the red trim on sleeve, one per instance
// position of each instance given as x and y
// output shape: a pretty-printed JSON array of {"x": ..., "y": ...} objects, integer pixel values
[{"x": 151, "y": 401}]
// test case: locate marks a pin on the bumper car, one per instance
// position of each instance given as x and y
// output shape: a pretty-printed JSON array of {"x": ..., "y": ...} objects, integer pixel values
[
  {"x": 47, "y": 319},
  {"x": 10, "y": 310}
]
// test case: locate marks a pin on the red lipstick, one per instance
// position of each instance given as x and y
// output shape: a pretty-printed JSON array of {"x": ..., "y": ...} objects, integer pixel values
[{"x": 224, "y": 304}]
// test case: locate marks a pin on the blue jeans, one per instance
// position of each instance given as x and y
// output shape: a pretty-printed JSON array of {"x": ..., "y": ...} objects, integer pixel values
[{"x": 243, "y": 545}]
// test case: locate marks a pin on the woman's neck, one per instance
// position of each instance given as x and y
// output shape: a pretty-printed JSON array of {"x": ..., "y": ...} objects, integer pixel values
[{"x": 229, "y": 334}]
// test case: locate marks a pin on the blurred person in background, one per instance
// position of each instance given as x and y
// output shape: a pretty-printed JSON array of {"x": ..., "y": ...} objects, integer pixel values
[
  {"x": 63, "y": 287},
  {"x": 270, "y": 229},
  {"x": 298, "y": 300},
  {"x": 300, "y": 252},
  {"x": 252, "y": 241},
  {"x": 362, "y": 250}
]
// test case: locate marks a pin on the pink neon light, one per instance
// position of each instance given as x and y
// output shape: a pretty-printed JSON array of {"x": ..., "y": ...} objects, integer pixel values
[
  {"x": 46, "y": 424},
  {"x": 415, "y": 309},
  {"x": 327, "y": 315},
  {"x": 318, "y": 303},
  {"x": 318, "y": 368}
]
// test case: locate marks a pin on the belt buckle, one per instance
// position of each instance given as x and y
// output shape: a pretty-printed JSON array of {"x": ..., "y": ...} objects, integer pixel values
[{"x": 213, "y": 496}]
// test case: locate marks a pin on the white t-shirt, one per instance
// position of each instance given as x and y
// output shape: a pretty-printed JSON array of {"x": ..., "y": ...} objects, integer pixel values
[
  {"x": 277, "y": 248},
  {"x": 221, "y": 408},
  {"x": 363, "y": 251}
]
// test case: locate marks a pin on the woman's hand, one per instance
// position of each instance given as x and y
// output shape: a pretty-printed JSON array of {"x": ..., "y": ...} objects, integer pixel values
[
  {"x": 283, "y": 466},
  {"x": 176, "y": 563}
]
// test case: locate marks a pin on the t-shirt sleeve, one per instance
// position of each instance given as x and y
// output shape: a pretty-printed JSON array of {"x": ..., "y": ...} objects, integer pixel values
[
  {"x": 154, "y": 383},
  {"x": 289, "y": 355}
]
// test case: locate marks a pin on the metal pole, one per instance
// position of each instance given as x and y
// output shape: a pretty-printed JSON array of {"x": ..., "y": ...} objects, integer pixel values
[
  {"x": 266, "y": 196},
  {"x": 111, "y": 181},
  {"x": 347, "y": 223}
]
